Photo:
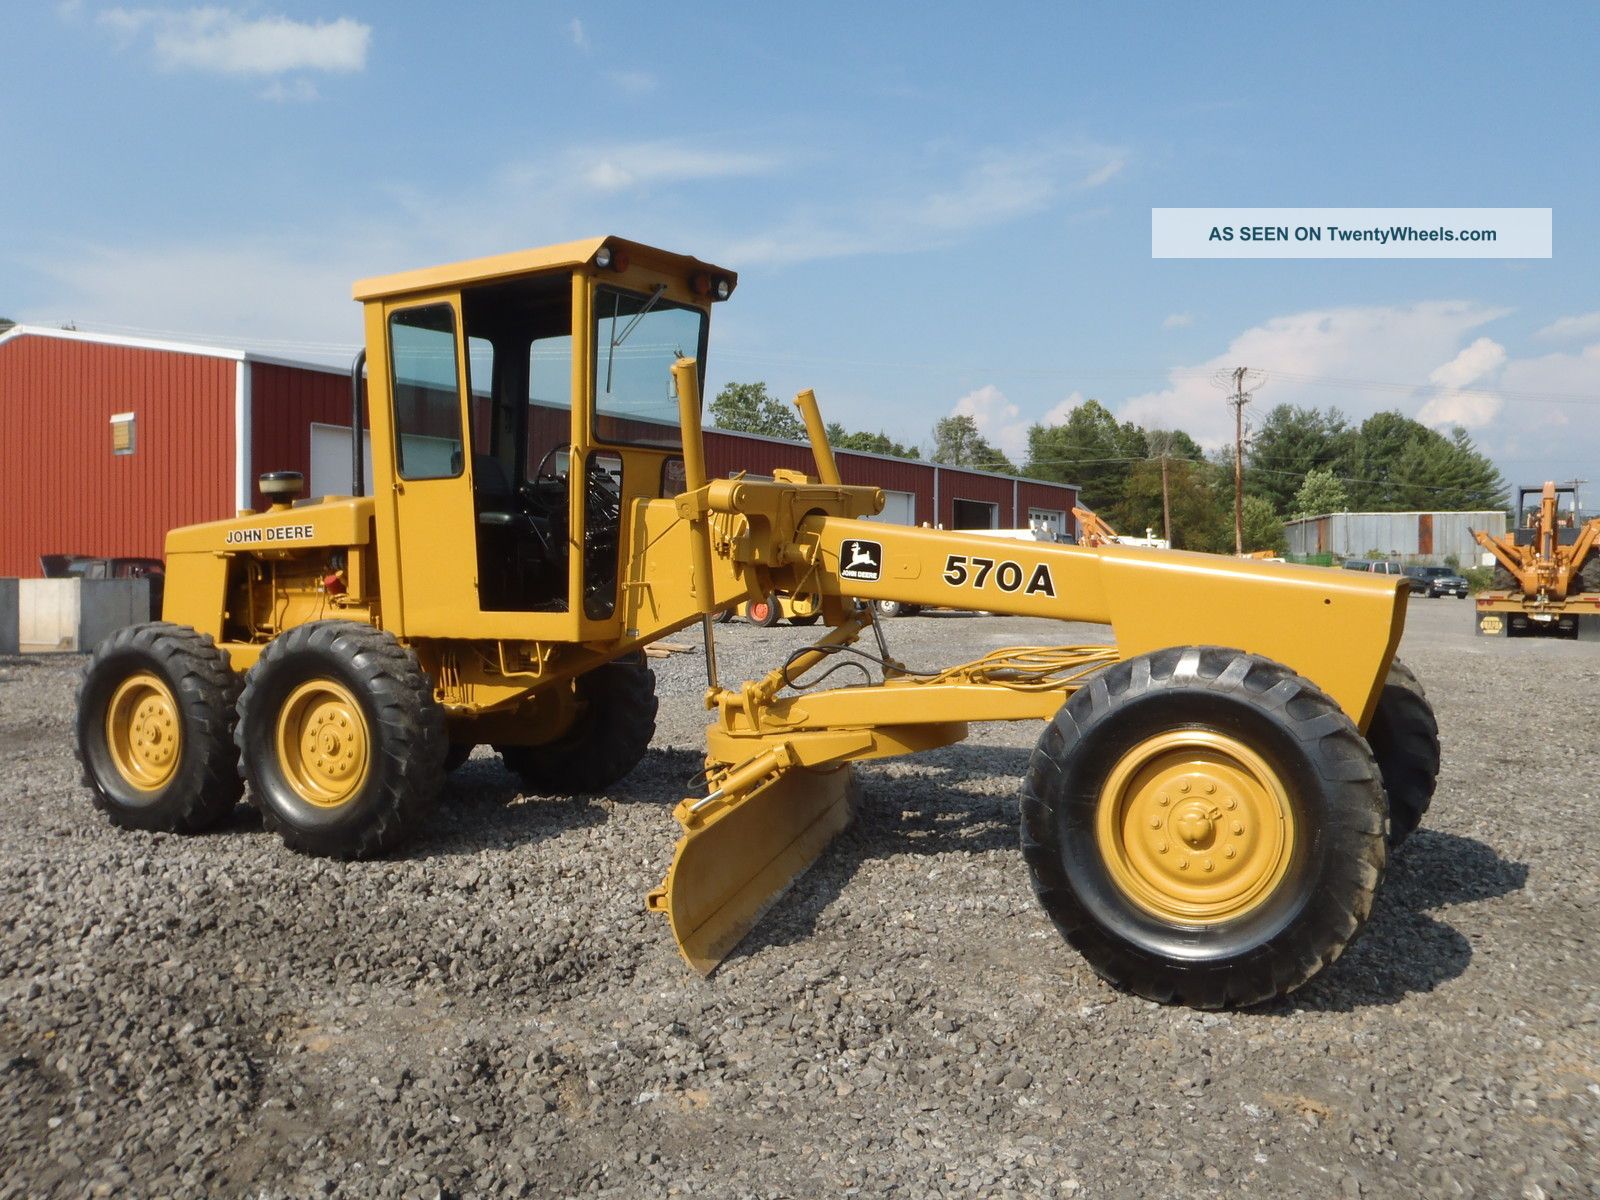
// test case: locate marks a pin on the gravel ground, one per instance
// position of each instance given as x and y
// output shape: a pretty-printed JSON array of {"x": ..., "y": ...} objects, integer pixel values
[{"x": 493, "y": 1013}]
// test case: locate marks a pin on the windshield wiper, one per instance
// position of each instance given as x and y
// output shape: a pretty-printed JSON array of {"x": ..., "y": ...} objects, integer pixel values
[{"x": 618, "y": 338}]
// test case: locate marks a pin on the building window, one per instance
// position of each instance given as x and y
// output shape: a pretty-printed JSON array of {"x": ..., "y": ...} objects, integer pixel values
[{"x": 122, "y": 440}]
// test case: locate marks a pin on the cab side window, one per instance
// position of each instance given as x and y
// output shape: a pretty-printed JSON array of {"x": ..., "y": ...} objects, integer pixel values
[{"x": 427, "y": 405}]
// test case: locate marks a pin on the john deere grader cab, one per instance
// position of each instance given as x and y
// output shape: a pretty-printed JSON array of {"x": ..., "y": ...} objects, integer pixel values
[{"x": 1206, "y": 817}]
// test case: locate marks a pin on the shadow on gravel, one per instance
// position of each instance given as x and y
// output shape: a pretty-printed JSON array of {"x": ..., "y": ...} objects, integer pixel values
[
  {"x": 1403, "y": 949},
  {"x": 926, "y": 813}
]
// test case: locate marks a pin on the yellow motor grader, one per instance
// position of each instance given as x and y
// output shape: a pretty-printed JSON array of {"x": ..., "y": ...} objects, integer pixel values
[
  {"x": 1206, "y": 814},
  {"x": 1546, "y": 569}
]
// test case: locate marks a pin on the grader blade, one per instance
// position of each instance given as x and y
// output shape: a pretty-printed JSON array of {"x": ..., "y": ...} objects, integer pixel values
[{"x": 741, "y": 852}]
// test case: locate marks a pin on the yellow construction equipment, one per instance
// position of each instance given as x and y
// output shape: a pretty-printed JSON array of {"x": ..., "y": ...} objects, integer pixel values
[
  {"x": 1547, "y": 570},
  {"x": 1204, "y": 817}
]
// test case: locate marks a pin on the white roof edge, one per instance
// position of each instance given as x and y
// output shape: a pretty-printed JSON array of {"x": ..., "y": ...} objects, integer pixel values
[{"x": 143, "y": 343}]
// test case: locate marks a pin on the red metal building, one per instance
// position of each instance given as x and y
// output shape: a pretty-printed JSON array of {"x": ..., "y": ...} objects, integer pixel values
[{"x": 107, "y": 442}]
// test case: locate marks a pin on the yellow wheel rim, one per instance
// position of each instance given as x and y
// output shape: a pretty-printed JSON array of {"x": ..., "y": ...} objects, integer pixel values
[
  {"x": 143, "y": 732},
  {"x": 1195, "y": 827},
  {"x": 323, "y": 743}
]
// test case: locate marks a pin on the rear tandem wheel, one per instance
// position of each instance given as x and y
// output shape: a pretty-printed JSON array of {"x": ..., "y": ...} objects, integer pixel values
[
  {"x": 155, "y": 729},
  {"x": 1204, "y": 826},
  {"x": 341, "y": 739}
]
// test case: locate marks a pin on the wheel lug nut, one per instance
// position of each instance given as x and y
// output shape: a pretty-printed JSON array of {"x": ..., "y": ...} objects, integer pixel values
[
  {"x": 1155, "y": 822},
  {"x": 1232, "y": 803},
  {"x": 1229, "y": 852},
  {"x": 1183, "y": 864},
  {"x": 1162, "y": 849},
  {"x": 1211, "y": 789},
  {"x": 1209, "y": 865},
  {"x": 1238, "y": 828},
  {"x": 1183, "y": 787}
]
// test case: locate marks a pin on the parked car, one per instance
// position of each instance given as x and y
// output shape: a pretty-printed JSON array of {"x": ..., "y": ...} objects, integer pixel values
[
  {"x": 1436, "y": 581},
  {"x": 1377, "y": 566},
  {"x": 87, "y": 566}
]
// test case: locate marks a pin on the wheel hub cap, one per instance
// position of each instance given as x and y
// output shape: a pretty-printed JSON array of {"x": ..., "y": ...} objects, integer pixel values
[
  {"x": 323, "y": 743},
  {"x": 143, "y": 732},
  {"x": 1195, "y": 827}
]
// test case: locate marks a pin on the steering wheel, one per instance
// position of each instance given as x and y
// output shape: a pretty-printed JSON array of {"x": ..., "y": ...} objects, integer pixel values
[{"x": 539, "y": 496}]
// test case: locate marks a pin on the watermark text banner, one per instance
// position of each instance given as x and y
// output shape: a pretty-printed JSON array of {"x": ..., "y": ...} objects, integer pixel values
[{"x": 1350, "y": 233}]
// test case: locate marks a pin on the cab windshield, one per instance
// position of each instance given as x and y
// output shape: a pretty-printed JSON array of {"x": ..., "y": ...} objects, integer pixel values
[{"x": 637, "y": 338}]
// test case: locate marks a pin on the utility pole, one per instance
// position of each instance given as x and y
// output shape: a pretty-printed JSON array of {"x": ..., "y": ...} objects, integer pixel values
[
  {"x": 1166, "y": 505},
  {"x": 1236, "y": 380},
  {"x": 1239, "y": 401}
]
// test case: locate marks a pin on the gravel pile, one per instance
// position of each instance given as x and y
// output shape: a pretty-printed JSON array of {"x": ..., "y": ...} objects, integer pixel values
[{"x": 493, "y": 1013}]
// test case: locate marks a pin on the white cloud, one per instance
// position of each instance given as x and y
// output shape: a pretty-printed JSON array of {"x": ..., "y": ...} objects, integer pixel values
[
  {"x": 632, "y": 83},
  {"x": 1454, "y": 406},
  {"x": 1059, "y": 413},
  {"x": 1306, "y": 354},
  {"x": 1178, "y": 321},
  {"x": 299, "y": 90},
  {"x": 614, "y": 168},
  {"x": 1104, "y": 174},
  {"x": 576, "y": 32},
  {"x": 993, "y": 188},
  {"x": 223, "y": 42},
  {"x": 1482, "y": 358},
  {"x": 999, "y": 188},
  {"x": 998, "y": 420},
  {"x": 1572, "y": 329}
]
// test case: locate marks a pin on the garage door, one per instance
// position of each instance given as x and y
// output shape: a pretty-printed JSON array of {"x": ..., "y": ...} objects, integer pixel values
[
  {"x": 330, "y": 461},
  {"x": 1052, "y": 518},
  {"x": 899, "y": 508}
]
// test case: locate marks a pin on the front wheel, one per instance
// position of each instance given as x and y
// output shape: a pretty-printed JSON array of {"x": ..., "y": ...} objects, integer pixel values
[
  {"x": 616, "y": 720},
  {"x": 341, "y": 739},
  {"x": 1204, "y": 826}
]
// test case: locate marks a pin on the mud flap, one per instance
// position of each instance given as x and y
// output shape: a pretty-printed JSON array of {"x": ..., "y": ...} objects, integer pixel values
[{"x": 737, "y": 857}]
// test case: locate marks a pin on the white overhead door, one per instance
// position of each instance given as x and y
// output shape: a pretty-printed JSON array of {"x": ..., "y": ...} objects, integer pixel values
[
  {"x": 330, "y": 460},
  {"x": 899, "y": 508},
  {"x": 1052, "y": 518}
]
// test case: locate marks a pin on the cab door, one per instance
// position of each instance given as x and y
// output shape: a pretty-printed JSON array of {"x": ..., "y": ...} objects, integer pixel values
[{"x": 432, "y": 510}]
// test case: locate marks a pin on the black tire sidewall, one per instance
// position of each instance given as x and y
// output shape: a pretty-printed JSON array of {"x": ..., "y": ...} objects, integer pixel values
[
  {"x": 181, "y": 801},
  {"x": 1333, "y": 789},
  {"x": 340, "y": 830}
]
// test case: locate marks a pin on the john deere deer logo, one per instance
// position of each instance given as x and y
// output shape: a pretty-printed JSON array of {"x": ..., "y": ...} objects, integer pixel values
[{"x": 860, "y": 560}]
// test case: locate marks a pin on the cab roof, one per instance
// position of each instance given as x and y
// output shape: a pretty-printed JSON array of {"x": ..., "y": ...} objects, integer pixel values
[{"x": 520, "y": 262}]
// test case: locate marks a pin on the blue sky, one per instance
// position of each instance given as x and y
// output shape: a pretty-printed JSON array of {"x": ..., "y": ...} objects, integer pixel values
[{"x": 933, "y": 208}]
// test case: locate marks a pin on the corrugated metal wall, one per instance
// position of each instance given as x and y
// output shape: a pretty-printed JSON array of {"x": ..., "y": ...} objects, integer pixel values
[
  {"x": 1430, "y": 537},
  {"x": 65, "y": 492},
  {"x": 284, "y": 402}
]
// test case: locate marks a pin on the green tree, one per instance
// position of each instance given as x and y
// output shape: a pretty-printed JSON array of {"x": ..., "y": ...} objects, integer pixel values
[
  {"x": 1378, "y": 445},
  {"x": 1321, "y": 493},
  {"x": 956, "y": 441},
  {"x": 1200, "y": 519},
  {"x": 1092, "y": 449},
  {"x": 6, "y": 323},
  {"x": 1263, "y": 528},
  {"x": 874, "y": 443},
  {"x": 747, "y": 408},
  {"x": 1291, "y": 443},
  {"x": 1402, "y": 465}
]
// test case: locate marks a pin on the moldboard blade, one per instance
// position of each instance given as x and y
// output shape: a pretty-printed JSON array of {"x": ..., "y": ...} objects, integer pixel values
[{"x": 729, "y": 868}]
